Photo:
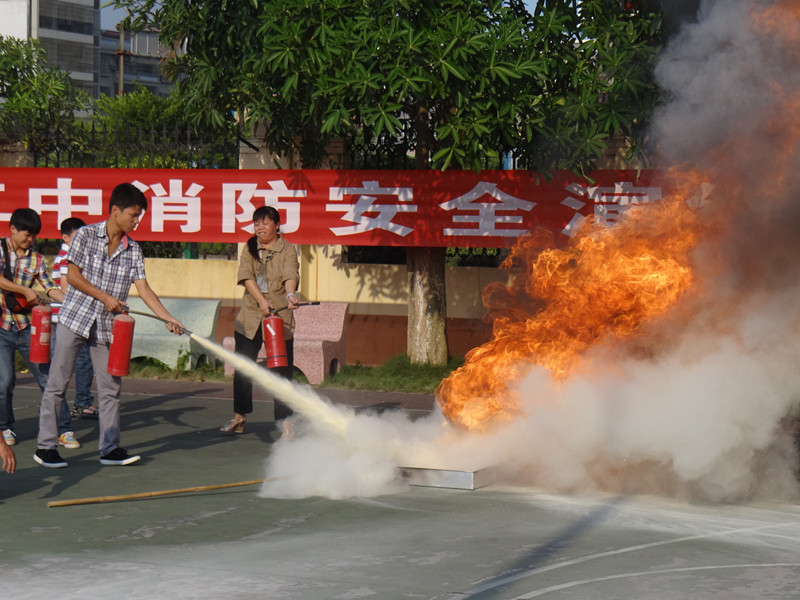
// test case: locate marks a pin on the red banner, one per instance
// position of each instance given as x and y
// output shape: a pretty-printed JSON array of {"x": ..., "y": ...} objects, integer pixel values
[{"x": 357, "y": 208}]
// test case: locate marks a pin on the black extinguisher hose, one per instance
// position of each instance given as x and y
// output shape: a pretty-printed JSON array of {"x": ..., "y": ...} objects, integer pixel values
[
  {"x": 144, "y": 314},
  {"x": 273, "y": 311}
]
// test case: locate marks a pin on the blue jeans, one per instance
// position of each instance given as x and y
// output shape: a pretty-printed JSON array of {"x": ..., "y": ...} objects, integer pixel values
[
  {"x": 12, "y": 340},
  {"x": 84, "y": 373}
]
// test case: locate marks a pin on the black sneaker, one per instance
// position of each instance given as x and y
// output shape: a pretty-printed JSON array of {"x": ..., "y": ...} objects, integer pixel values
[
  {"x": 49, "y": 458},
  {"x": 118, "y": 456}
]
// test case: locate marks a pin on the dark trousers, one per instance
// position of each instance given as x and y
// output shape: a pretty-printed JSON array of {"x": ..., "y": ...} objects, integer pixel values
[{"x": 243, "y": 387}]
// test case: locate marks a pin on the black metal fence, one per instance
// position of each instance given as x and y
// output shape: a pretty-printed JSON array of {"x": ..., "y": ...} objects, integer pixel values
[
  {"x": 97, "y": 146},
  {"x": 399, "y": 153}
]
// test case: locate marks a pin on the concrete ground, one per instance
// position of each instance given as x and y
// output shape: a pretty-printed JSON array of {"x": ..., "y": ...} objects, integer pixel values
[{"x": 498, "y": 542}]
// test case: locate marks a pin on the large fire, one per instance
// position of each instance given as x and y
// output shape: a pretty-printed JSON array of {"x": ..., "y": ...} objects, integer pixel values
[
  {"x": 782, "y": 19},
  {"x": 603, "y": 287}
]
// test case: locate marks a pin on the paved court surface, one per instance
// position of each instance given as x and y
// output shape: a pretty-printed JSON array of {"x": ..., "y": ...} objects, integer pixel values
[{"x": 498, "y": 542}]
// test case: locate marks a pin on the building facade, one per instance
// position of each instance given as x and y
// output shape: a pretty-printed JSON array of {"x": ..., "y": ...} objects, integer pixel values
[{"x": 70, "y": 33}]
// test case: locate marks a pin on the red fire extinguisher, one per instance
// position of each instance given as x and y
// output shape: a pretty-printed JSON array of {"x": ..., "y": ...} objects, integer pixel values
[
  {"x": 41, "y": 330},
  {"x": 274, "y": 342},
  {"x": 119, "y": 353}
]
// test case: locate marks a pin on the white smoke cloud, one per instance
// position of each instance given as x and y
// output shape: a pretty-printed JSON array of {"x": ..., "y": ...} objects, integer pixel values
[
  {"x": 703, "y": 420},
  {"x": 706, "y": 72},
  {"x": 362, "y": 461}
]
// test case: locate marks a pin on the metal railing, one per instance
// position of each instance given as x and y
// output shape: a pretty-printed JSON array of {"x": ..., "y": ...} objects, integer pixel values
[
  {"x": 136, "y": 147},
  {"x": 94, "y": 146}
]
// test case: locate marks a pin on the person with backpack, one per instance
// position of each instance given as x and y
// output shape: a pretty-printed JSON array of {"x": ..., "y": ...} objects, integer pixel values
[{"x": 20, "y": 268}]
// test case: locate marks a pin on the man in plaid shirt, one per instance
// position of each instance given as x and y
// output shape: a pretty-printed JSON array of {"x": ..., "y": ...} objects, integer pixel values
[
  {"x": 103, "y": 263},
  {"x": 25, "y": 267}
]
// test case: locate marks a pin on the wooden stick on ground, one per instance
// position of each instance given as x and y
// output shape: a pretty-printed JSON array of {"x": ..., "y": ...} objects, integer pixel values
[{"x": 199, "y": 488}]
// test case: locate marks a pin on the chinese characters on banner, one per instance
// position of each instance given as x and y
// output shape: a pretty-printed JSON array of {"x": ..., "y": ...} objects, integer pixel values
[{"x": 357, "y": 208}]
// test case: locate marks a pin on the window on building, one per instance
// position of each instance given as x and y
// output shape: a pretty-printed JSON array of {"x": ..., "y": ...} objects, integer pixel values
[{"x": 65, "y": 16}]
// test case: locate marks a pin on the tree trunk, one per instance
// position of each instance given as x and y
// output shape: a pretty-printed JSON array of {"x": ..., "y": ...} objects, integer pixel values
[
  {"x": 427, "y": 296},
  {"x": 427, "y": 306}
]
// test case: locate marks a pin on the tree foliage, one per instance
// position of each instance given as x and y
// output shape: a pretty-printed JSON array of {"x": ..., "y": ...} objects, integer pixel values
[
  {"x": 139, "y": 107},
  {"x": 39, "y": 101},
  {"x": 454, "y": 82}
]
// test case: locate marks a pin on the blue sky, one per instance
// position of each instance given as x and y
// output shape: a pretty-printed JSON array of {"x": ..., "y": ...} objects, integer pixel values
[{"x": 109, "y": 17}]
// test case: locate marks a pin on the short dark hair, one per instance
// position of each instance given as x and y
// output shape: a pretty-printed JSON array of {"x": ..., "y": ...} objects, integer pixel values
[
  {"x": 71, "y": 225},
  {"x": 26, "y": 219},
  {"x": 267, "y": 212},
  {"x": 126, "y": 195}
]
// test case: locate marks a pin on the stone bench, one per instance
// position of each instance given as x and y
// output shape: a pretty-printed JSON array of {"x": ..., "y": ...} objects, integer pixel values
[
  {"x": 319, "y": 340},
  {"x": 151, "y": 338}
]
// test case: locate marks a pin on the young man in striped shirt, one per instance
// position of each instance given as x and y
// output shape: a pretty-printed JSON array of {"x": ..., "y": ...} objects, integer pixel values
[{"x": 84, "y": 373}]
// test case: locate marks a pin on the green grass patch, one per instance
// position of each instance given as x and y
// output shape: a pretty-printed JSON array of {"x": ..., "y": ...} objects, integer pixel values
[
  {"x": 150, "y": 368},
  {"x": 396, "y": 375}
]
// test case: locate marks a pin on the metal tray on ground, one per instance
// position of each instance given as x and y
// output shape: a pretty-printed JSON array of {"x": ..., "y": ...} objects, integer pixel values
[{"x": 449, "y": 478}]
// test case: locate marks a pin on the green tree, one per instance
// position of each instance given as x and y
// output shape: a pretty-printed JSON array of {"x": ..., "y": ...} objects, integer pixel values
[
  {"x": 39, "y": 102},
  {"x": 142, "y": 129},
  {"x": 138, "y": 107},
  {"x": 454, "y": 83}
]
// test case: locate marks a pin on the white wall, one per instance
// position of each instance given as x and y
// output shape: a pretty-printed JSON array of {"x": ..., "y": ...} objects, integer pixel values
[{"x": 14, "y": 20}]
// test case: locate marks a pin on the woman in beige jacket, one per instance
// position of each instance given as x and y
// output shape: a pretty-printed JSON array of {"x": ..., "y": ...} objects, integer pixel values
[{"x": 269, "y": 271}]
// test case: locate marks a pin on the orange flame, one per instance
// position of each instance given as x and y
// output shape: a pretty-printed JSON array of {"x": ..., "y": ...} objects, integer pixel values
[
  {"x": 781, "y": 20},
  {"x": 605, "y": 286}
]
